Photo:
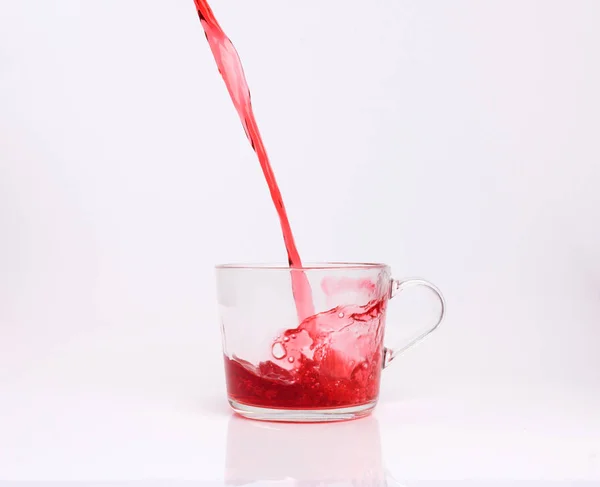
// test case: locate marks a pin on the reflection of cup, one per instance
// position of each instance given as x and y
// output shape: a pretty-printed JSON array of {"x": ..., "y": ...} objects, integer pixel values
[{"x": 311, "y": 454}]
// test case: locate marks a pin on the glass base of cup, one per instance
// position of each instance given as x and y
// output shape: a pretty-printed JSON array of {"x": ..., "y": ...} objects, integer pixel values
[{"x": 302, "y": 415}]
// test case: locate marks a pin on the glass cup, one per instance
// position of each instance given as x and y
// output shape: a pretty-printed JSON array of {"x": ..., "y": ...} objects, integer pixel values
[{"x": 322, "y": 367}]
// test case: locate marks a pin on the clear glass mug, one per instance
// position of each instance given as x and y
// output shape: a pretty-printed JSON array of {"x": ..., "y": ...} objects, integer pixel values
[{"x": 325, "y": 368}]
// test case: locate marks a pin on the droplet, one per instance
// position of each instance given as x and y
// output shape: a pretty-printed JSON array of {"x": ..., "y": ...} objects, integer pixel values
[
  {"x": 293, "y": 337},
  {"x": 341, "y": 314},
  {"x": 290, "y": 359},
  {"x": 278, "y": 350},
  {"x": 286, "y": 339}
]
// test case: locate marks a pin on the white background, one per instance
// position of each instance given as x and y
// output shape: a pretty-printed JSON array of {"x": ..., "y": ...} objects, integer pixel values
[{"x": 457, "y": 141}]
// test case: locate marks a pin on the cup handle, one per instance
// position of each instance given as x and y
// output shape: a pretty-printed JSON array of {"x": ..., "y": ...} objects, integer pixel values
[{"x": 390, "y": 354}]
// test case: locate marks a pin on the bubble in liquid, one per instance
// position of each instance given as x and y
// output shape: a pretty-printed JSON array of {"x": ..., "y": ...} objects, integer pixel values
[
  {"x": 341, "y": 314},
  {"x": 290, "y": 359},
  {"x": 293, "y": 337},
  {"x": 286, "y": 339},
  {"x": 365, "y": 365},
  {"x": 278, "y": 350}
]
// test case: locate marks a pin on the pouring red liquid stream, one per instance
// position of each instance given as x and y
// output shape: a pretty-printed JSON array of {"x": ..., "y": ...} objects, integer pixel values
[
  {"x": 332, "y": 359},
  {"x": 231, "y": 70}
]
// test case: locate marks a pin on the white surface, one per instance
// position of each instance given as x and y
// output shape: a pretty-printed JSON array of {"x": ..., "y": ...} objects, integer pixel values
[
  {"x": 453, "y": 140},
  {"x": 107, "y": 435}
]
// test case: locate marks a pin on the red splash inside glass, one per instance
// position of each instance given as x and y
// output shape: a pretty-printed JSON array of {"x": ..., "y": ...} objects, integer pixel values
[{"x": 325, "y": 368}]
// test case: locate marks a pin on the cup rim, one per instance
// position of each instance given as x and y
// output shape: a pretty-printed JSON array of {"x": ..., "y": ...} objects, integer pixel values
[{"x": 308, "y": 266}]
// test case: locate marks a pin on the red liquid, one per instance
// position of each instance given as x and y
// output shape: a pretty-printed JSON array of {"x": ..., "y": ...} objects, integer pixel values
[
  {"x": 333, "y": 359},
  {"x": 231, "y": 70}
]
